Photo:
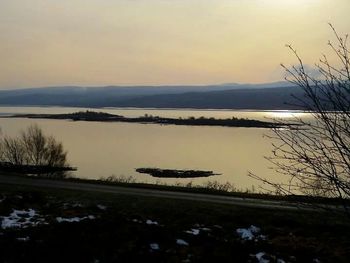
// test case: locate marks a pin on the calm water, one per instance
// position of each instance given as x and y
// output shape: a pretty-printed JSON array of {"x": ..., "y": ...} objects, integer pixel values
[{"x": 104, "y": 149}]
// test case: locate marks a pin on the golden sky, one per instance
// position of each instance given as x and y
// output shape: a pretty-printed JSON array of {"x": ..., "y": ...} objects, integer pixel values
[{"x": 141, "y": 42}]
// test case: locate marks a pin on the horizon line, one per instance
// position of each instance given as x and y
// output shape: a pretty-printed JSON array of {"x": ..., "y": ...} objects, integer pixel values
[{"x": 142, "y": 85}]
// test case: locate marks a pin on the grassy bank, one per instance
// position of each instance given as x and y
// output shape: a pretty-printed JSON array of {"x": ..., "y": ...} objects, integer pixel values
[
  {"x": 117, "y": 228},
  {"x": 210, "y": 187}
]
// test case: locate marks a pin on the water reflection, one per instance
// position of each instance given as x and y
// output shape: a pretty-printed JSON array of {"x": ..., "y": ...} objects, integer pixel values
[{"x": 287, "y": 114}]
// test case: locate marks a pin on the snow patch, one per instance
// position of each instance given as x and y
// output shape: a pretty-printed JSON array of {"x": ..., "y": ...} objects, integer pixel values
[
  {"x": 193, "y": 231},
  {"x": 198, "y": 228},
  {"x": 21, "y": 219},
  {"x": 154, "y": 246},
  {"x": 251, "y": 233},
  {"x": 102, "y": 207},
  {"x": 181, "y": 242},
  {"x": 263, "y": 257},
  {"x": 260, "y": 257},
  {"x": 74, "y": 219},
  {"x": 150, "y": 222}
]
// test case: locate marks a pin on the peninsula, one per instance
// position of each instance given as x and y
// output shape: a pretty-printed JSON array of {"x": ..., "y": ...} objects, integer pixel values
[{"x": 149, "y": 119}]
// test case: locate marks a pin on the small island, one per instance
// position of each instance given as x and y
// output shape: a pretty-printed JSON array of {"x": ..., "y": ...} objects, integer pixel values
[
  {"x": 149, "y": 119},
  {"x": 169, "y": 173}
]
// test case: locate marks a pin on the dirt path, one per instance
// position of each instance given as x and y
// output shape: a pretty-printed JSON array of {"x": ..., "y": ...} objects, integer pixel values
[{"x": 124, "y": 190}]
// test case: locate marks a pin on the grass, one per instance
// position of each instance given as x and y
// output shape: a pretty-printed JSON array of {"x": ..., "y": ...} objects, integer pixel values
[
  {"x": 114, "y": 236},
  {"x": 210, "y": 187}
]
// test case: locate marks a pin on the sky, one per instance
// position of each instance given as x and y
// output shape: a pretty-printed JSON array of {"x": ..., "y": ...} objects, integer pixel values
[{"x": 160, "y": 42}]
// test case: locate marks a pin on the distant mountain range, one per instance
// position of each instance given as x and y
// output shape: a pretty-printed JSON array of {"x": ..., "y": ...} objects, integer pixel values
[{"x": 270, "y": 96}]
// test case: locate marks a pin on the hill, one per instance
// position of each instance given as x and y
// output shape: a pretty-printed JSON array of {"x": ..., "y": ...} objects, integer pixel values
[{"x": 277, "y": 96}]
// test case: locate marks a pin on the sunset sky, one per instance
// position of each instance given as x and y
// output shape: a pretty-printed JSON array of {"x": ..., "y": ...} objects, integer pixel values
[{"x": 142, "y": 42}]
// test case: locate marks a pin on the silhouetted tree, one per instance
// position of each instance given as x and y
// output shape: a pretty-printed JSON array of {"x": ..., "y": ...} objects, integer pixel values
[
  {"x": 33, "y": 148},
  {"x": 12, "y": 151},
  {"x": 315, "y": 157}
]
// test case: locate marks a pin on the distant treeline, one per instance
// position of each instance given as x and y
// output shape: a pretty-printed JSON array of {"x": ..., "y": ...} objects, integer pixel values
[
  {"x": 273, "y": 96},
  {"x": 192, "y": 121}
]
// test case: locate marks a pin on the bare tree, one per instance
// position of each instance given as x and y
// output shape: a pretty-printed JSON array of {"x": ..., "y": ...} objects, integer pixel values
[
  {"x": 54, "y": 154},
  {"x": 12, "y": 151},
  {"x": 315, "y": 155},
  {"x": 35, "y": 145},
  {"x": 33, "y": 148}
]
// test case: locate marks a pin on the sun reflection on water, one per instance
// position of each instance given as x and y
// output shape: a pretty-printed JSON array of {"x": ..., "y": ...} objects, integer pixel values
[{"x": 285, "y": 114}]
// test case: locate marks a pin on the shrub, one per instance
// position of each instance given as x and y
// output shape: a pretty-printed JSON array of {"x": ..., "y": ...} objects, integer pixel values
[{"x": 32, "y": 147}]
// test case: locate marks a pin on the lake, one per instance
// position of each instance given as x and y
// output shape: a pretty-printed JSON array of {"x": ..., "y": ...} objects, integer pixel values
[{"x": 100, "y": 149}]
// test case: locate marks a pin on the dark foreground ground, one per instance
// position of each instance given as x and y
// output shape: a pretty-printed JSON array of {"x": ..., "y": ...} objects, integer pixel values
[{"x": 53, "y": 225}]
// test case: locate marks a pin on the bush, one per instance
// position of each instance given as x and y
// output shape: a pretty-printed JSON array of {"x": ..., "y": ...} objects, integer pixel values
[{"x": 32, "y": 147}]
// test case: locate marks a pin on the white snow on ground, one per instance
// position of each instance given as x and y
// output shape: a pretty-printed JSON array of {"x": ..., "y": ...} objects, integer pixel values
[
  {"x": 245, "y": 234},
  {"x": 181, "y": 242},
  {"x": 154, "y": 246},
  {"x": 251, "y": 233},
  {"x": 260, "y": 257},
  {"x": 193, "y": 231},
  {"x": 254, "y": 229},
  {"x": 150, "y": 222},
  {"x": 23, "y": 239},
  {"x": 102, "y": 207},
  {"x": 137, "y": 221},
  {"x": 74, "y": 219},
  {"x": 21, "y": 219},
  {"x": 198, "y": 228}
]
